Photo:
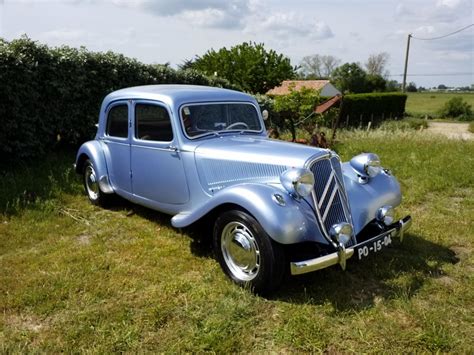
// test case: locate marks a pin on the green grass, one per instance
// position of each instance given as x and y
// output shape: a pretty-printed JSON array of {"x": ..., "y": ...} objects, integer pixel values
[
  {"x": 471, "y": 127},
  {"x": 429, "y": 103},
  {"x": 77, "y": 278}
]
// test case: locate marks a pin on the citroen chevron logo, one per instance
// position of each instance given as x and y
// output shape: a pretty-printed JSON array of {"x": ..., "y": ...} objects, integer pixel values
[{"x": 332, "y": 180}]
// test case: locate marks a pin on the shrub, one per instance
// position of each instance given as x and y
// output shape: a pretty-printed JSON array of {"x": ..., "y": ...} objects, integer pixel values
[
  {"x": 457, "y": 108},
  {"x": 359, "y": 109},
  {"x": 51, "y": 94},
  {"x": 297, "y": 109}
]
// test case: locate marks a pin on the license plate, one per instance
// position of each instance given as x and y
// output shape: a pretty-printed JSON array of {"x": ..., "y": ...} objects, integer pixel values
[{"x": 374, "y": 245}]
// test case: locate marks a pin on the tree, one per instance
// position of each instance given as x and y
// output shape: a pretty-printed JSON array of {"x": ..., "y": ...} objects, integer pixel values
[
  {"x": 411, "y": 87},
  {"x": 442, "y": 87},
  {"x": 297, "y": 106},
  {"x": 393, "y": 85},
  {"x": 376, "y": 83},
  {"x": 248, "y": 65},
  {"x": 376, "y": 64},
  {"x": 329, "y": 63},
  {"x": 318, "y": 66},
  {"x": 350, "y": 77}
]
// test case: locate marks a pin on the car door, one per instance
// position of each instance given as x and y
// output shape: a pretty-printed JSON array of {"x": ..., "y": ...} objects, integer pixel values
[
  {"x": 157, "y": 167},
  {"x": 117, "y": 139}
]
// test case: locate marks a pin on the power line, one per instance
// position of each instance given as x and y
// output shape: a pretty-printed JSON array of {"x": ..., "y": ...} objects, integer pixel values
[
  {"x": 434, "y": 74},
  {"x": 410, "y": 36},
  {"x": 449, "y": 34}
]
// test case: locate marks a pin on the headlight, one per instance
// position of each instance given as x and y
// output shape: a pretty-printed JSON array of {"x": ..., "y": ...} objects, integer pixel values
[
  {"x": 366, "y": 164},
  {"x": 298, "y": 182}
]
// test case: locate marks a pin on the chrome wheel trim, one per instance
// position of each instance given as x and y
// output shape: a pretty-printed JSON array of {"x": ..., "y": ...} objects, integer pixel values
[
  {"x": 92, "y": 185},
  {"x": 240, "y": 251}
]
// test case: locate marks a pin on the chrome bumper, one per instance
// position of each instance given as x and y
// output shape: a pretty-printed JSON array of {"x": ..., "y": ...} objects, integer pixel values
[{"x": 301, "y": 267}]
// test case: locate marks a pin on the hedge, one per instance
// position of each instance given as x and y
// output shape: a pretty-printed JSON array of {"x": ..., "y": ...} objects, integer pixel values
[
  {"x": 52, "y": 96},
  {"x": 359, "y": 109}
]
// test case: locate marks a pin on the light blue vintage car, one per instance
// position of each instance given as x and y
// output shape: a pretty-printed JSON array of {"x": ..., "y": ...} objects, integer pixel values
[{"x": 198, "y": 152}]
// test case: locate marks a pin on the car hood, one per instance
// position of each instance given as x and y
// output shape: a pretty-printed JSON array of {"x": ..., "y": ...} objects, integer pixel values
[{"x": 227, "y": 161}]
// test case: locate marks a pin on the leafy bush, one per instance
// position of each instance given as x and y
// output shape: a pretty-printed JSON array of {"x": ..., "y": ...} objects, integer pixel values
[
  {"x": 52, "y": 95},
  {"x": 457, "y": 108},
  {"x": 359, "y": 109},
  {"x": 297, "y": 108}
]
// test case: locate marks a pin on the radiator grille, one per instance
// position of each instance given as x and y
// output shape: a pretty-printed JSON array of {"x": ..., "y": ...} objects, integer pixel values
[{"x": 329, "y": 196}]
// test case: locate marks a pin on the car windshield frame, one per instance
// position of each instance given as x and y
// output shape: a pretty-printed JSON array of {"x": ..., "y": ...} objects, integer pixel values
[{"x": 218, "y": 132}]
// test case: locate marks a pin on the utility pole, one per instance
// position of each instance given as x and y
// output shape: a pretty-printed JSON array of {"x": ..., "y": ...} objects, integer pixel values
[{"x": 406, "y": 64}]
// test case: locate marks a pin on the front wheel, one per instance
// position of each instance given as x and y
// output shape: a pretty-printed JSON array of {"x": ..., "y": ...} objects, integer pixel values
[{"x": 247, "y": 254}]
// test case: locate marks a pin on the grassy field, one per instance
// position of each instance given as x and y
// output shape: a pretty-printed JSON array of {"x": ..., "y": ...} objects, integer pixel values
[
  {"x": 429, "y": 103},
  {"x": 76, "y": 278}
]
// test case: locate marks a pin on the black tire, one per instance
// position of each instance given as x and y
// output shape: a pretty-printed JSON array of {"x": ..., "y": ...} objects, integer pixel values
[
  {"x": 92, "y": 188},
  {"x": 247, "y": 254}
]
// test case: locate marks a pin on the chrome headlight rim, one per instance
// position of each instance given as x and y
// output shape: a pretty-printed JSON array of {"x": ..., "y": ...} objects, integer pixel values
[
  {"x": 366, "y": 165},
  {"x": 385, "y": 215},
  {"x": 299, "y": 182}
]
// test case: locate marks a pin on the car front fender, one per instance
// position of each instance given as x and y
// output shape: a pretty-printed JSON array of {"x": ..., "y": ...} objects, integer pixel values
[
  {"x": 294, "y": 222},
  {"x": 93, "y": 150},
  {"x": 365, "y": 199}
]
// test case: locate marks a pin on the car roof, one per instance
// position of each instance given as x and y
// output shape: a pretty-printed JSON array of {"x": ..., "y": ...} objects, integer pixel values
[{"x": 177, "y": 94}]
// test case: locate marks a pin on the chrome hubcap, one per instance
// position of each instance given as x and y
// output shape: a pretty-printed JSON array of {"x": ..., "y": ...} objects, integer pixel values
[
  {"x": 92, "y": 185},
  {"x": 240, "y": 251}
]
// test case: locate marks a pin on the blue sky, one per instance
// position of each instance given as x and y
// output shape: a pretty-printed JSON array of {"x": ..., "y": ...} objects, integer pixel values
[{"x": 163, "y": 31}]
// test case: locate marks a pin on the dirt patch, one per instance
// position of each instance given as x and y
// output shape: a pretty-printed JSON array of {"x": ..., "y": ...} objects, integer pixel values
[
  {"x": 84, "y": 239},
  {"x": 25, "y": 322},
  {"x": 450, "y": 130}
]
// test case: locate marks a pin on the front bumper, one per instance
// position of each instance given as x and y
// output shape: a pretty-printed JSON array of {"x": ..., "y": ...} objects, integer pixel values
[{"x": 397, "y": 229}]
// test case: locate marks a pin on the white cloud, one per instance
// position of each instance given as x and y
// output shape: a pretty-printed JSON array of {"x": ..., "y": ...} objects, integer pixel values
[
  {"x": 202, "y": 13},
  {"x": 289, "y": 25}
]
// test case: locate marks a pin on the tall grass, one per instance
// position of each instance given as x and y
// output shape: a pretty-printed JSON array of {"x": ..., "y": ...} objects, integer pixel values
[{"x": 78, "y": 278}]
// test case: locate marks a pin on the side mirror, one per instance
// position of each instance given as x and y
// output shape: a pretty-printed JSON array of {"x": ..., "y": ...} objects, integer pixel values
[{"x": 265, "y": 114}]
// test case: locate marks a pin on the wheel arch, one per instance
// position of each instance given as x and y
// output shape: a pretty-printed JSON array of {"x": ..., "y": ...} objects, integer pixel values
[
  {"x": 292, "y": 223},
  {"x": 93, "y": 151}
]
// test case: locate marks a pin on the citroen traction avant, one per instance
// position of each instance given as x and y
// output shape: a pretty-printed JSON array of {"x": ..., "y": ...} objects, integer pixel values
[{"x": 197, "y": 152}]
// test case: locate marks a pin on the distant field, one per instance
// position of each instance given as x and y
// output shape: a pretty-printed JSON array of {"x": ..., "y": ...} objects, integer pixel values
[{"x": 430, "y": 102}]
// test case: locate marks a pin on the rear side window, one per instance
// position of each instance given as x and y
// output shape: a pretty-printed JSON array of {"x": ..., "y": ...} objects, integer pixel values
[
  {"x": 117, "y": 121},
  {"x": 152, "y": 123}
]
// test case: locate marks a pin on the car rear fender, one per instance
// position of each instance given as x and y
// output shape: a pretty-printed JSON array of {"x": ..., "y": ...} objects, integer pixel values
[
  {"x": 293, "y": 222},
  {"x": 93, "y": 150}
]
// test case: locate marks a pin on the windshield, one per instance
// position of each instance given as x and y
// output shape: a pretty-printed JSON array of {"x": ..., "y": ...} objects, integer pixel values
[{"x": 210, "y": 118}]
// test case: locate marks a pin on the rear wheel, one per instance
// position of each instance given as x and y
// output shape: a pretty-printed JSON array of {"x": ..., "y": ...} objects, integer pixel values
[
  {"x": 246, "y": 253},
  {"x": 91, "y": 186}
]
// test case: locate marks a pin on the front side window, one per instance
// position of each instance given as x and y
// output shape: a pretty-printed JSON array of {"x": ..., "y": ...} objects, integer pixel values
[
  {"x": 203, "y": 119},
  {"x": 117, "y": 121},
  {"x": 152, "y": 123}
]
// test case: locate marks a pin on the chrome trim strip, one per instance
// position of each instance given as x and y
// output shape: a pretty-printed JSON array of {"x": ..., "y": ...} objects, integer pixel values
[
  {"x": 329, "y": 205},
  {"x": 326, "y": 188},
  {"x": 302, "y": 267}
]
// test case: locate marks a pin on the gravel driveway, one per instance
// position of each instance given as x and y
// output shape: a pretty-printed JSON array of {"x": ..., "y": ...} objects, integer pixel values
[{"x": 450, "y": 130}]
